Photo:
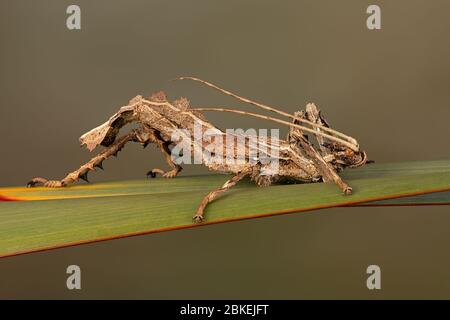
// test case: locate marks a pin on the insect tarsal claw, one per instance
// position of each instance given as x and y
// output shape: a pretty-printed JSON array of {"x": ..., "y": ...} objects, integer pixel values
[
  {"x": 348, "y": 191},
  {"x": 197, "y": 219},
  {"x": 31, "y": 184},
  {"x": 151, "y": 174}
]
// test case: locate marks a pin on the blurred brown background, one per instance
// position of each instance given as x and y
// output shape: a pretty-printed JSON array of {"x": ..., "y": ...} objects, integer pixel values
[{"x": 388, "y": 88}]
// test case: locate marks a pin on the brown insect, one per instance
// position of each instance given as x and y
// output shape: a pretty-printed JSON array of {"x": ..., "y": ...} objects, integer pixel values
[{"x": 160, "y": 121}]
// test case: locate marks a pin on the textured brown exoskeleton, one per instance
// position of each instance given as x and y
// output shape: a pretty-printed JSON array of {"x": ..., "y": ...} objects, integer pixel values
[{"x": 158, "y": 119}]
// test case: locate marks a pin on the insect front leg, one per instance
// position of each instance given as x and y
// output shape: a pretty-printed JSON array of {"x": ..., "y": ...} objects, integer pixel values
[
  {"x": 338, "y": 155},
  {"x": 325, "y": 169},
  {"x": 199, "y": 214}
]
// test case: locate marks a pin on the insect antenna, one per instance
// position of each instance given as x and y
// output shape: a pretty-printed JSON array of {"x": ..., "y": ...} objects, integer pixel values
[
  {"x": 352, "y": 146},
  {"x": 269, "y": 108}
]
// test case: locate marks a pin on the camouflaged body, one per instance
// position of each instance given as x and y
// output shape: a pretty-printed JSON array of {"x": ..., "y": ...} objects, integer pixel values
[{"x": 157, "y": 116}]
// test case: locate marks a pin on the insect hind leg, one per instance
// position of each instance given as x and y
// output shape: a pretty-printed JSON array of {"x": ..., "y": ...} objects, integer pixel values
[{"x": 95, "y": 162}]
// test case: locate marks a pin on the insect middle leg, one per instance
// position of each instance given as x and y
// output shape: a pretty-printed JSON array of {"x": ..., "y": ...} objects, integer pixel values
[
  {"x": 199, "y": 214},
  {"x": 164, "y": 147}
]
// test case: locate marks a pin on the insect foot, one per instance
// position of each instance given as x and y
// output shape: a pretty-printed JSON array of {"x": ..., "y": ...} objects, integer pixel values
[
  {"x": 170, "y": 174},
  {"x": 348, "y": 191},
  {"x": 165, "y": 174},
  {"x": 45, "y": 183},
  {"x": 197, "y": 219},
  {"x": 151, "y": 174}
]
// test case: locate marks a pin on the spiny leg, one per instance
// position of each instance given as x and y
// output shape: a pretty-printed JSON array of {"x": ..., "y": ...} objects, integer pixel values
[
  {"x": 325, "y": 169},
  {"x": 334, "y": 153},
  {"x": 164, "y": 147},
  {"x": 314, "y": 115},
  {"x": 199, "y": 217},
  {"x": 95, "y": 162}
]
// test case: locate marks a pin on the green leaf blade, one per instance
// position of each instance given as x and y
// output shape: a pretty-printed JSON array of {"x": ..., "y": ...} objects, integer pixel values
[{"x": 88, "y": 213}]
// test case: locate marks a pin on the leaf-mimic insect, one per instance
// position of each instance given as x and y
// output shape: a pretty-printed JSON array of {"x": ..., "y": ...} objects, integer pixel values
[{"x": 312, "y": 151}]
